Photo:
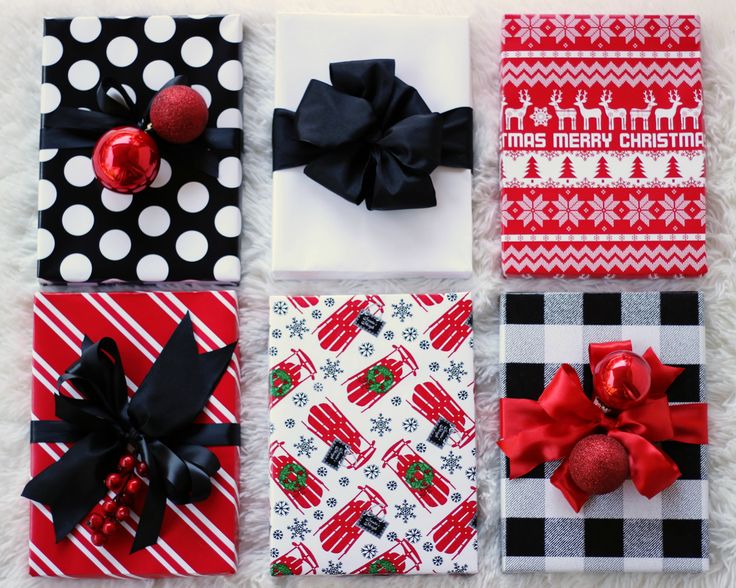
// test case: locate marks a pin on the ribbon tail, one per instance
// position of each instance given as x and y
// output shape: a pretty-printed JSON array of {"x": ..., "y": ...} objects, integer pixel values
[
  {"x": 690, "y": 423},
  {"x": 562, "y": 480},
  {"x": 651, "y": 469},
  {"x": 457, "y": 138},
  {"x": 152, "y": 516}
]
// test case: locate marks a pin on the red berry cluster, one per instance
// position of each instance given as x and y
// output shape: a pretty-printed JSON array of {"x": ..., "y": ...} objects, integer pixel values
[{"x": 105, "y": 521}]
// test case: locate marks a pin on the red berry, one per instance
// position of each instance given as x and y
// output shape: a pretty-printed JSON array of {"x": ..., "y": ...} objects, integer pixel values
[
  {"x": 142, "y": 468},
  {"x": 125, "y": 499},
  {"x": 109, "y": 527},
  {"x": 178, "y": 114},
  {"x": 126, "y": 463},
  {"x": 122, "y": 513},
  {"x": 98, "y": 539},
  {"x": 94, "y": 521},
  {"x": 134, "y": 486},
  {"x": 108, "y": 506},
  {"x": 114, "y": 482}
]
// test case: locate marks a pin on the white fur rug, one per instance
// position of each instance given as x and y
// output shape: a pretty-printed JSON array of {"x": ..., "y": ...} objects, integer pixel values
[{"x": 20, "y": 46}]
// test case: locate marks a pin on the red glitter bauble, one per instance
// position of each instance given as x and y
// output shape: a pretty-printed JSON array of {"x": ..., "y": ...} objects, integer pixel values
[
  {"x": 178, "y": 114},
  {"x": 622, "y": 379},
  {"x": 598, "y": 464},
  {"x": 126, "y": 160}
]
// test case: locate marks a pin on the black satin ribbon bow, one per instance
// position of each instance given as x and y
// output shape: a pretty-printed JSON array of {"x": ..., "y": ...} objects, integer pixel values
[
  {"x": 156, "y": 421},
  {"x": 370, "y": 136},
  {"x": 69, "y": 128}
]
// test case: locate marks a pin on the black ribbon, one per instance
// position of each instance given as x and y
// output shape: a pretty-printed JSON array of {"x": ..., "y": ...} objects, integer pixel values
[
  {"x": 370, "y": 136},
  {"x": 156, "y": 421},
  {"x": 71, "y": 128}
]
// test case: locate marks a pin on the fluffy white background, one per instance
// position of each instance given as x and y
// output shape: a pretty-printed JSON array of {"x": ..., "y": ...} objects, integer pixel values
[{"x": 20, "y": 34}]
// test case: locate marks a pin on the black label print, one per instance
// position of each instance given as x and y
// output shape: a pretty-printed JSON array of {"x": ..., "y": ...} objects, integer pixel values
[
  {"x": 372, "y": 524},
  {"x": 469, "y": 322},
  {"x": 440, "y": 432},
  {"x": 474, "y": 522},
  {"x": 369, "y": 323},
  {"x": 335, "y": 454}
]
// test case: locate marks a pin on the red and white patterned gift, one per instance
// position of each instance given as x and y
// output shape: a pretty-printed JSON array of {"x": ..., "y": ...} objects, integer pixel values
[
  {"x": 602, "y": 146},
  {"x": 195, "y": 539}
]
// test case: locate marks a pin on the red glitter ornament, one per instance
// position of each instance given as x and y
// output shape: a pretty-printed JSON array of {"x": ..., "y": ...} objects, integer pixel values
[
  {"x": 126, "y": 160},
  {"x": 598, "y": 464},
  {"x": 178, "y": 114},
  {"x": 622, "y": 379}
]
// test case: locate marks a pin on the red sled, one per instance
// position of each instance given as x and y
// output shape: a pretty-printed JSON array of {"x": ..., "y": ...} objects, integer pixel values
[
  {"x": 402, "y": 558},
  {"x": 300, "y": 302},
  {"x": 458, "y": 528},
  {"x": 449, "y": 331},
  {"x": 298, "y": 561},
  {"x": 303, "y": 489},
  {"x": 288, "y": 374},
  {"x": 433, "y": 402},
  {"x": 329, "y": 423},
  {"x": 339, "y": 330},
  {"x": 424, "y": 301}
]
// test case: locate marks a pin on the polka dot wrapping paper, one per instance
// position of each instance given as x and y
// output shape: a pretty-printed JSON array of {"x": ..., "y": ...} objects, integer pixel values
[{"x": 186, "y": 225}]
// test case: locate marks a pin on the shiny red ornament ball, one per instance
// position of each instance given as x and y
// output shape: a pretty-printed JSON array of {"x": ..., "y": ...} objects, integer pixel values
[
  {"x": 126, "y": 160},
  {"x": 133, "y": 486},
  {"x": 126, "y": 463},
  {"x": 114, "y": 482},
  {"x": 98, "y": 539},
  {"x": 178, "y": 114},
  {"x": 122, "y": 513},
  {"x": 598, "y": 464},
  {"x": 108, "y": 506},
  {"x": 95, "y": 521},
  {"x": 110, "y": 527},
  {"x": 622, "y": 379}
]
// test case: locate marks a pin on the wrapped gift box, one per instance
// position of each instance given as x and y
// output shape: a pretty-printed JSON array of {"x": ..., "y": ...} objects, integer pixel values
[
  {"x": 602, "y": 146},
  {"x": 318, "y": 234},
  {"x": 186, "y": 225},
  {"x": 195, "y": 539},
  {"x": 623, "y": 530},
  {"x": 372, "y": 443}
]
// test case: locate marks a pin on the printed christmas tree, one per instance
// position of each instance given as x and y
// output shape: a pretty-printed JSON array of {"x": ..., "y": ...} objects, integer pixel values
[
  {"x": 637, "y": 169},
  {"x": 673, "y": 169},
  {"x": 532, "y": 170},
  {"x": 567, "y": 169},
  {"x": 602, "y": 169}
]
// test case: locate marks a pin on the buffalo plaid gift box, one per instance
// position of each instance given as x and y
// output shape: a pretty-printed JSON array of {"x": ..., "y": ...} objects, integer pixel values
[
  {"x": 372, "y": 448},
  {"x": 196, "y": 538},
  {"x": 622, "y": 530},
  {"x": 186, "y": 225}
]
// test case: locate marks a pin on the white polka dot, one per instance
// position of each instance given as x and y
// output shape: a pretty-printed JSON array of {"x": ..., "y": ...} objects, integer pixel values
[
  {"x": 154, "y": 221},
  {"x": 85, "y": 28},
  {"x": 51, "y": 50},
  {"x": 230, "y": 75},
  {"x": 198, "y": 16},
  {"x": 230, "y": 172},
  {"x": 191, "y": 246},
  {"x": 83, "y": 74},
  {"x": 230, "y": 118},
  {"x": 44, "y": 244},
  {"x": 157, "y": 73},
  {"x": 78, "y": 171},
  {"x": 204, "y": 93},
  {"x": 122, "y": 51},
  {"x": 196, "y": 51},
  {"x": 228, "y": 221},
  {"x": 159, "y": 29},
  {"x": 152, "y": 268},
  {"x": 50, "y": 97},
  {"x": 231, "y": 28},
  {"x": 75, "y": 268},
  {"x": 115, "y": 202},
  {"x": 46, "y": 154},
  {"x": 115, "y": 244},
  {"x": 46, "y": 194},
  {"x": 227, "y": 269},
  {"x": 163, "y": 176},
  {"x": 77, "y": 220},
  {"x": 193, "y": 196}
]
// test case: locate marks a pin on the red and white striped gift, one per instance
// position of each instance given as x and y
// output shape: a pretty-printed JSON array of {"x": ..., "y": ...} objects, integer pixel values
[{"x": 195, "y": 539}]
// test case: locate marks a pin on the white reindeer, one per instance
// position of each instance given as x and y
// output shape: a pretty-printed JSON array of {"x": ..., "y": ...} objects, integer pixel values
[
  {"x": 693, "y": 113},
  {"x": 612, "y": 113},
  {"x": 668, "y": 113},
  {"x": 562, "y": 113},
  {"x": 643, "y": 113},
  {"x": 518, "y": 113},
  {"x": 587, "y": 113}
]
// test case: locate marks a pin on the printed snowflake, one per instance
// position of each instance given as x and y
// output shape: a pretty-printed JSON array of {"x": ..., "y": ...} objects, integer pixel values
[
  {"x": 421, "y": 448},
  {"x": 540, "y": 116},
  {"x": 396, "y": 401},
  {"x": 700, "y": 209},
  {"x": 456, "y": 497},
  {"x": 674, "y": 210},
  {"x": 634, "y": 28},
  {"x": 413, "y": 535},
  {"x": 281, "y": 508},
  {"x": 405, "y": 511},
  {"x": 434, "y": 366},
  {"x": 459, "y": 569},
  {"x": 271, "y": 428},
  {"x": 530, "y": 27},
  {"x": 639, "y": 210},
  {"x": 455, "y": 371},
  {"x": 332, "y": 502},
  {"x": 300, "y": 399},
  {"x": 391, "y": 485},
  {"x": 276, "y": 333},
  {"x": 274, "y": 553},
  {"x": 410, "y": 425},
  {"x": 462, "y": 395},
  {"x": 280, "y": 307},
  {"x": 297, "y": 328},
  {"x": 305, "y": 446},
  {"x": 318, "y": 515},
  {"x": 603, "y": 210},
  {"x": 321, "y": 471},
  {"x": 366, "y": 349},
  {"x": 369, "y": 551},
  {"x": 381, "y": 424},
  {"x": 669, "y": 28},
  {"x": 565, "y": 28},
  {"x": 334, "y": 568},
  {"x": 299, "y": 529},
  {"x": 318, "y": 386},
  {"x": 600, "y": 28},
  {"x": 428, "y": 546},
  {"x": 344, "y": 481},
  {"x": 392, "y": 536},
  {"x": 329, "y": 302},
  {"x": 451, "y": 297},
  {"x": 451, "y": 462},
  {"x": 568, "y": 211},
  {"x": 470, "y": 473},
  {"x": 402, "y": 310},
  {"x": 424, "y": 345},
  {"x": 410, "y": 334},
  {"x": 331, "y": 369},
  {"x": 371, "y": 471},
  {"x": 317, "y": 314},
  {"x": 532, "y": 211},
  {"x": 388, "y": 335},
  {"x": 437, "y": 560},
  {"x": 278, "y": 535},
  {"x": 506, "y": 213},
  {"x": 273, "y": 351}
]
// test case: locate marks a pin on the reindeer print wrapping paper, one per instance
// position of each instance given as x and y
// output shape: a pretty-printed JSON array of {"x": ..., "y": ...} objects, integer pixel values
[
  {"x": 372, "y": 447},
  {"x": 602, "y": 146}
]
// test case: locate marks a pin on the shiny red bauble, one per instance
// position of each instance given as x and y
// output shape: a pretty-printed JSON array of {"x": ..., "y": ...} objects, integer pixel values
[
  {"x": 178, "y": 114},
  {"x": 114, "y": 482},
  {"x": 621, "y": 380},
  {"x": 98, "y": 539},
  {"x": 110, "y": 527},
  {"x": 133, "y": 486},
  {"x": 126, "y": 463},
  {"x": 95, "y": 521},
  {"x": 122, "y": 513},
  {"x": 108, "y": 506},
  {"x": 126, "y": 160},
  {"x": 598, "y": 464}
]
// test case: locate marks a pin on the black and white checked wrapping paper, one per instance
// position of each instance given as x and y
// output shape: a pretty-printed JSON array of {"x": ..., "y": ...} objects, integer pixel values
[{"x": 620, "y": 531}]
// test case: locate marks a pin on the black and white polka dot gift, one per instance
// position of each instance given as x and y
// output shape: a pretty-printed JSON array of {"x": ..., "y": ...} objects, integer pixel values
[{"x": 186, "y": 225}]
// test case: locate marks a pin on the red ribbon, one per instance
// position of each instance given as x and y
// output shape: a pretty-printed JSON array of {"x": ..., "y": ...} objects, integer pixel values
[{"x": 534, "y": 432}]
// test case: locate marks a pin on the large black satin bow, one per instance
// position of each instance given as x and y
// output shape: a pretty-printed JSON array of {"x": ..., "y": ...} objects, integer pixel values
[
  {"x": 69, "y": 128},
  {"x": 156, "y": 421},
  {"x": 370, "y": 136}
]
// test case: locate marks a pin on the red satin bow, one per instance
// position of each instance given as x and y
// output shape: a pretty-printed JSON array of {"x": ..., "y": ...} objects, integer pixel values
[{"x": 534, "y": 432}]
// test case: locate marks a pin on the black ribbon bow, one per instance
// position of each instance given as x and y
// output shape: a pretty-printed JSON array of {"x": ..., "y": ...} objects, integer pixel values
[
  {"x": 156, "y": 421},
  {"x": 70, "y": 128},
  {"x": 370, "y": 136}
]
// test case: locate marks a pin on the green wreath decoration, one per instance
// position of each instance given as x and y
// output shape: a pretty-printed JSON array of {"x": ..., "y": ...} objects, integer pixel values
[
  {"x": 385, "y": 384},
  {"x": 419, "y": 483},
  {"x": 280, "y": 569},
  {"x": 382, "y": 566},
  {"x": 285, "y": 476},
  {"x": 286, "y": 383}
]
